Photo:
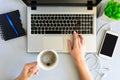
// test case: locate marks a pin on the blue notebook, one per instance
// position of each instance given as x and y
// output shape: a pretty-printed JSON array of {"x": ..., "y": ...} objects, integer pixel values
[{"x": 10, "y": 25}]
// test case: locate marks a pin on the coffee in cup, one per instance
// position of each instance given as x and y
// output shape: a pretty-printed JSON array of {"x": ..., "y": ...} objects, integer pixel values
[{"x": 47, "y": 59}]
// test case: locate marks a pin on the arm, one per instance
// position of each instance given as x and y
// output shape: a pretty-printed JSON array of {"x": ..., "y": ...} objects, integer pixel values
[
  {"x": 77, "y": 52},
  {"x": 28, "y": 71}
]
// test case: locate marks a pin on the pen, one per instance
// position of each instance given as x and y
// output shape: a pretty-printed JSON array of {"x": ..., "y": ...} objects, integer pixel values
[{"x": 12, "y": 25}]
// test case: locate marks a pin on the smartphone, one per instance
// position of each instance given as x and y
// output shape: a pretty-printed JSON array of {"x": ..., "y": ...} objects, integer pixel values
[{"x": 108, "y": 45}]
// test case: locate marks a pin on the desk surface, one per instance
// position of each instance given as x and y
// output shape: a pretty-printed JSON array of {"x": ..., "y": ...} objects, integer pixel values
[{"x": 13, "y": 53}]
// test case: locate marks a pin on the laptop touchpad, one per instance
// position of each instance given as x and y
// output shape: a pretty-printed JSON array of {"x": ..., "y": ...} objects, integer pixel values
[{"x": 53, "y": 42}]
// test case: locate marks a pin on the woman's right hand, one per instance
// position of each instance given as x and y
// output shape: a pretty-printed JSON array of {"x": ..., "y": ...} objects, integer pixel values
[{"x": 77, "y": 50}]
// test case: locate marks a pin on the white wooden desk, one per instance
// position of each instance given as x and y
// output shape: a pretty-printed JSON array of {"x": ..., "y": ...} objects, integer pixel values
[{"x": 13, "y": 53}]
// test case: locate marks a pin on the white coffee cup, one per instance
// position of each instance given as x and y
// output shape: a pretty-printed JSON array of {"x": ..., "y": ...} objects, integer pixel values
[{"x": 47, "y": 59}]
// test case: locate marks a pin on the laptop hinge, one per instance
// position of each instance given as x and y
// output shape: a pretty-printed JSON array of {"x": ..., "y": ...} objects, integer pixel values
[
  {"x": 33, "y": 5},
  {"x": 89, "y": 4}
]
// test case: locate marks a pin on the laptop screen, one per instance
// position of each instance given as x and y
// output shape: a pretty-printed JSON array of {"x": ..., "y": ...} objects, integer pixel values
[
  {"x": 62, "y": 1},
  {"x": 59, "y": 2}
]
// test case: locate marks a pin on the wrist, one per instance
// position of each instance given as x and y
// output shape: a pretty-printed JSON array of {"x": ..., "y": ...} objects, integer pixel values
[
  {"x": 21, "y": 78},
  {"x": 80, "y": 59},
  {"x": 81, "y": 64}
]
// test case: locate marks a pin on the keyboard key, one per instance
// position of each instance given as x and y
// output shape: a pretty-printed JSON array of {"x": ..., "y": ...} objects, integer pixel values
[{"x": 53, "y": 32}]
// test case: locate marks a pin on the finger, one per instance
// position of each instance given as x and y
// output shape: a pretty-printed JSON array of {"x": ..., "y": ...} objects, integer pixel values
[
  {"x": 75, "y": 39},
  {"x": 79, "y": 42},
  {"x": 33, "y": 71},
  {"x": 69, "y": 46},
  {"x": 38, "y": 69},
  {"x": 36, "y": 73},
  {"x": 28, "y": 66},
  {"x": 31, "y": 64},
  {"x": 82, "y": 39}
]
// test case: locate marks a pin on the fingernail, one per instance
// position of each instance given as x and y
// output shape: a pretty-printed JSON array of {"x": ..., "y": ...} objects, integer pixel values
[{"x": 74, "y": 32}]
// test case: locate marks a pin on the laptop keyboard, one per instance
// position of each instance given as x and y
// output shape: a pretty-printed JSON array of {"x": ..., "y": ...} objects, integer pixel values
[{"x": 61, "y": 23}]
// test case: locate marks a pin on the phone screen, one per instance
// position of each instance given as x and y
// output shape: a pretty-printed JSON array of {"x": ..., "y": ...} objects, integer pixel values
[{"x": 109, "y": 44}]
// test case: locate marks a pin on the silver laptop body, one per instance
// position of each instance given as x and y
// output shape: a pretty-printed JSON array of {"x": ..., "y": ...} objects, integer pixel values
[{"x": 36, "y": 42}]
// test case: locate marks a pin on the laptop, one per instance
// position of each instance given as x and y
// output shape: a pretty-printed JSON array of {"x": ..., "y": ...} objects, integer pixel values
[{"x": 50, "y": 23}]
